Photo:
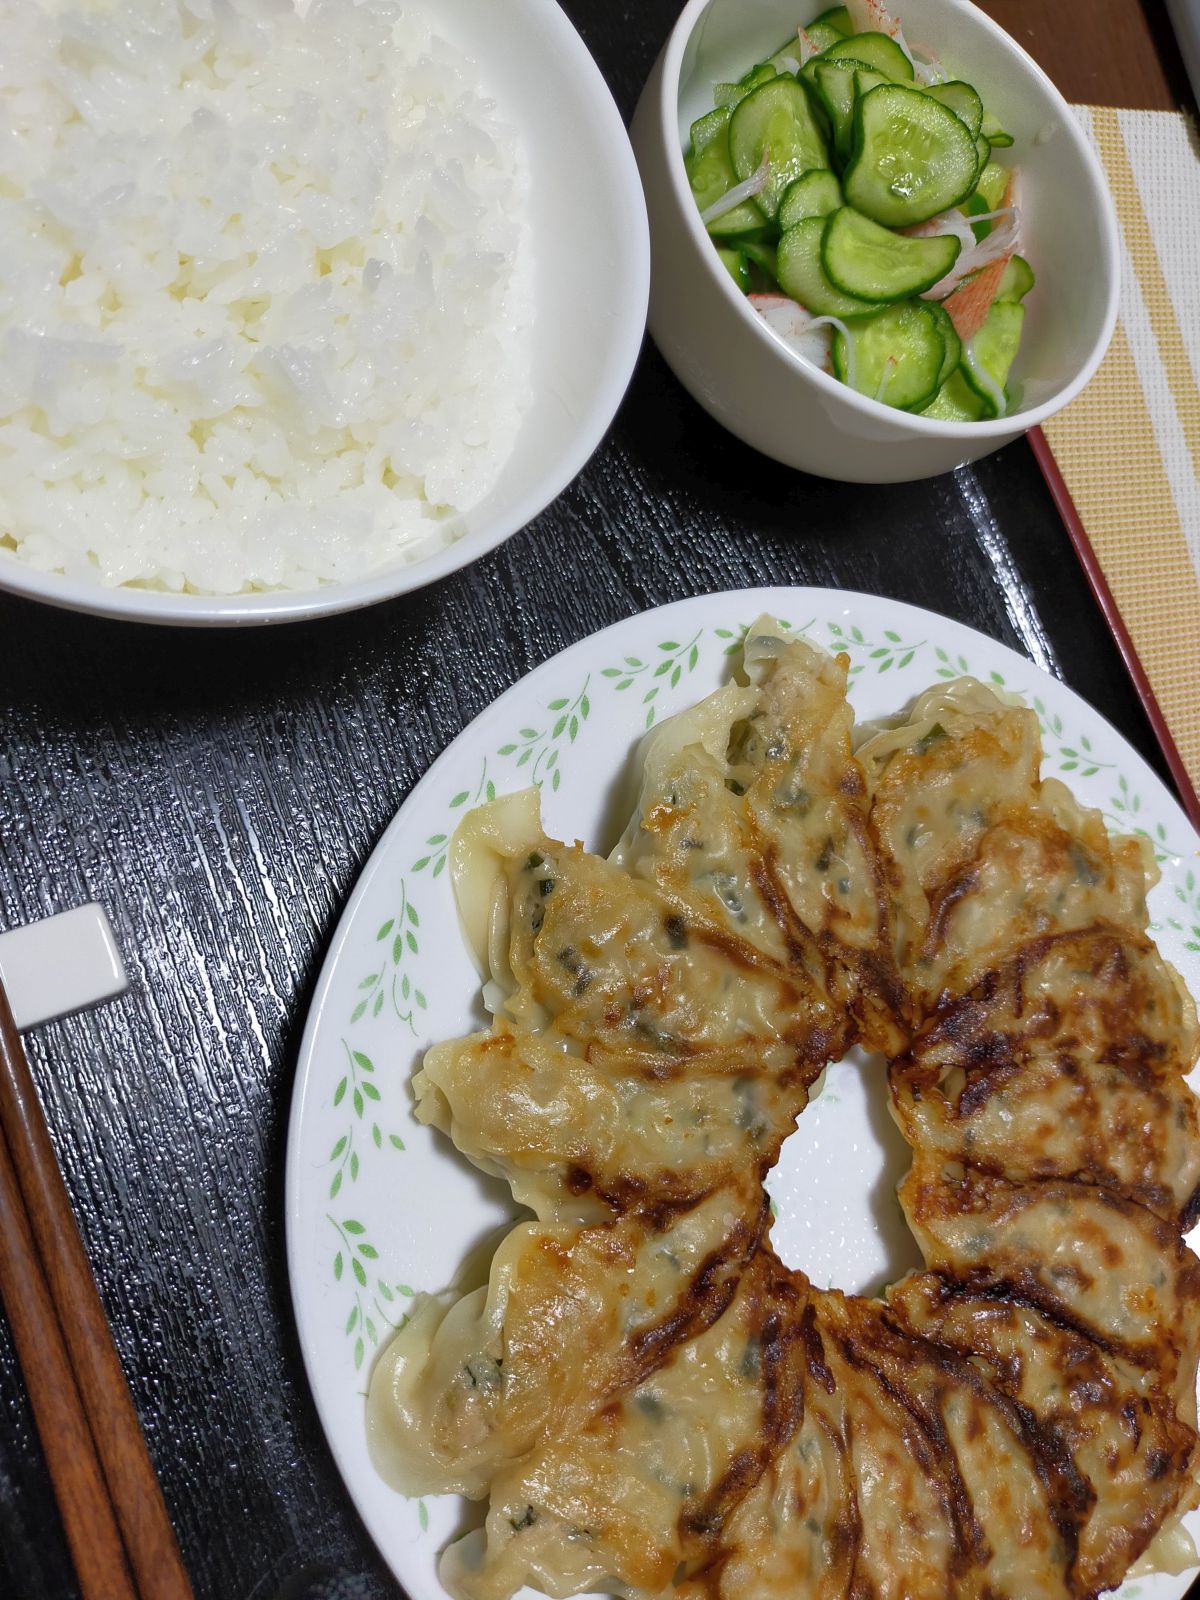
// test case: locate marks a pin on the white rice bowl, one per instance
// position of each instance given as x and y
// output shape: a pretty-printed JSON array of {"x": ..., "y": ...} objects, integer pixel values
[{"x": 265, "y": 291}]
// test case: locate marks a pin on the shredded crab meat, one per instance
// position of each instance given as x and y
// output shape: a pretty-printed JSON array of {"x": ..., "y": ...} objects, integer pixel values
[
  {"x": 1004, "y": 240},
  {"x": 804, "y": 334},
  {"x": 991, "y": 216},
  {"x": 927, "y": 65},
  {"x": 746, "y": 190},
  {"x": 889, "y": 368},
  {"x": 872, "y": 16},
  {"x": 952, "y": 221}
]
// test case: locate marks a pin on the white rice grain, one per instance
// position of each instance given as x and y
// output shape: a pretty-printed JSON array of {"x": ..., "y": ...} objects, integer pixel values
[{"x": 265, "y": 290}]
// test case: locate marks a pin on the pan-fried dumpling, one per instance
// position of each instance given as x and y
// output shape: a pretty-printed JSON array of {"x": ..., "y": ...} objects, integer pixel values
[
  {"x": 573, "y": 941},
  {"x": 958, "y": 765},
  {"x": 1094, "y": 1408},
  {"x": 773, "y": 826},
  {"x": 909, "y": 1475},
  {"x": 697, "y": 979},
  {"x": 983, "y": 855},
  {"x": 473, "y": 1383},
  {"x": 635, "y": 1500},
  {"x": 659, "y": 1409},
  {"x": 1099, "y": 1261},
  {"x": 580, "y": 1137},
  {"x": 1048, "y": 1065}
]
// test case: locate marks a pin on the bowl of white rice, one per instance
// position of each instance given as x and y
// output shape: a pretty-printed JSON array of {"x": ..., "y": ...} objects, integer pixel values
[{"x": 301, "y": 306}]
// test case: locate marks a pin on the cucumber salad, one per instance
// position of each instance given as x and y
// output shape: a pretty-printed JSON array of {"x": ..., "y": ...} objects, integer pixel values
[{"x": 850, "y": 187}]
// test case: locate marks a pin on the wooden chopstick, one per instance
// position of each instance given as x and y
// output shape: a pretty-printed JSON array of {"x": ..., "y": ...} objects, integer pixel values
[
  {"x": 82, "y": 1493},
  {"x": 133, "y": 1488}
]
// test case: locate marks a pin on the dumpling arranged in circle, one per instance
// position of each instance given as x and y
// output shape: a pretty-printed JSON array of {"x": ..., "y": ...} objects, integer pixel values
[{"x": 652, "y": 1403}]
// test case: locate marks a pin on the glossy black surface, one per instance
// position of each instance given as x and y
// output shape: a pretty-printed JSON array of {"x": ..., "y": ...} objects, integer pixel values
[{"x": 219, "y": 792}]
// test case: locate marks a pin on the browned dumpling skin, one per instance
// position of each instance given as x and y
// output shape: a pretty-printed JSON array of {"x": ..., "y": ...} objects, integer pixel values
[
  {"x": 1067, "y": 1060},
  {"x": 908, "y": 1474},
  {"x": 961, "y": 765},
  {"x": 1106, "y": 1415},
  {"x": 981, "y": 854},
  {"x": 655, "y": 1405},
  {"x": 638, "y": 1497},
  {"x": 569, "y": 1316},
  {"x": 586, "y": 1136},
  {"x": 1102, "y": 1263}
]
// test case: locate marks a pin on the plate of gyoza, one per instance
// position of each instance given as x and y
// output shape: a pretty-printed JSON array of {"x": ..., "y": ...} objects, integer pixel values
[{"x": 742, "y": 1142}]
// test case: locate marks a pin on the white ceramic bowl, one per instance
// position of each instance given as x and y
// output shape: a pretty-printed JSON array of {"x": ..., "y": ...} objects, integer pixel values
[
  {"x": 724, "y": 354},
  {"x": 593, "y": 268}
]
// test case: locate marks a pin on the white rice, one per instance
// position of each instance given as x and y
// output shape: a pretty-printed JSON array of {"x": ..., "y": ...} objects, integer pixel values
[{"x": 265, "y": 290}]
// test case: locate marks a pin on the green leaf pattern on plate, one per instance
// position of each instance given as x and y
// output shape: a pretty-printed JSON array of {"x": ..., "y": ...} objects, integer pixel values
[
  {"x": 1186, "y": 920},
  {"x": 670, "y": 662},
  {"x": 358, "y": 1091},
  {"x": 377, "y": 1304},
  {"x": 399, "y": 942},
  {"x": 536, "y": 751},
  {"x": 879, "y": 655}
]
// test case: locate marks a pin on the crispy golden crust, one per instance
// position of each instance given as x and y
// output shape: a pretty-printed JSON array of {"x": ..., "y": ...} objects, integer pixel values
[
  {"x": 1106, "y": 1415},
  {"x": 653, "y": 1402},
  {"x": 1067, "y": 1060}
]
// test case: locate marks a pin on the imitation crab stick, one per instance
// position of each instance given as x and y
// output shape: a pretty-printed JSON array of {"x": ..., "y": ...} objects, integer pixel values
[{"x": 970, "y": 303}]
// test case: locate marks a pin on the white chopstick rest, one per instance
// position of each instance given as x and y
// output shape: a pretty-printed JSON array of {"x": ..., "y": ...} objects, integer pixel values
[{"x": 64, "y": 963}]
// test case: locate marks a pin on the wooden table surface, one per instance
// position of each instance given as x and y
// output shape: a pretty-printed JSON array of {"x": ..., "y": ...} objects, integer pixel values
[
  {"x": 219, "y": 794},
  {"x": 1101, "y": 52}
]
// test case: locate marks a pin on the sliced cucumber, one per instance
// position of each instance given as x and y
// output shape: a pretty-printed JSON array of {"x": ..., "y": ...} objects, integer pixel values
[
  {"x": 990, "y": 354},
  {"x": 706, "y": 128},
  {"x": 993, "y": 131},
  {"x": 777, "y": 118},
  {"x": 870, "y": 262},
  {"x": 802, "y": 276},
  {"x": 836, "y": 84},
  {"x": 1017, "y": 281},
  {"x": 983, "y": 154},
  {"x": 732, "y": 94},
  {"x": 812, "y": 194},
  {"x": 955, "y": 401},
  {"x": 950, "y": 338},
  {"x": 875, "y": 50},
  {"x": 973, "y": 206},
  {"x": 988, "y": 196},
  {"x": 736, "y": 224},
  {"x": 822, "y": 34},
  {"x": 898, "y": 355},
  {"x": 710, "y": 174},
  {"x": 737, "y": 265},
  {"x": 709, "y": 171},
  {"x": 761, "y": 255},
  {"x": 787, "y": 57},
  {"x": 993, "y": 181},
  {"x": 912, "y": 156},
  {"x": 837, "y": 17},
  {"x": 963, "y": 100}
]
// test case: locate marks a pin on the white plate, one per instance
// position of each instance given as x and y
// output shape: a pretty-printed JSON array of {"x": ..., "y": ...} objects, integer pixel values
[{"x": 379, "y": 1206}]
